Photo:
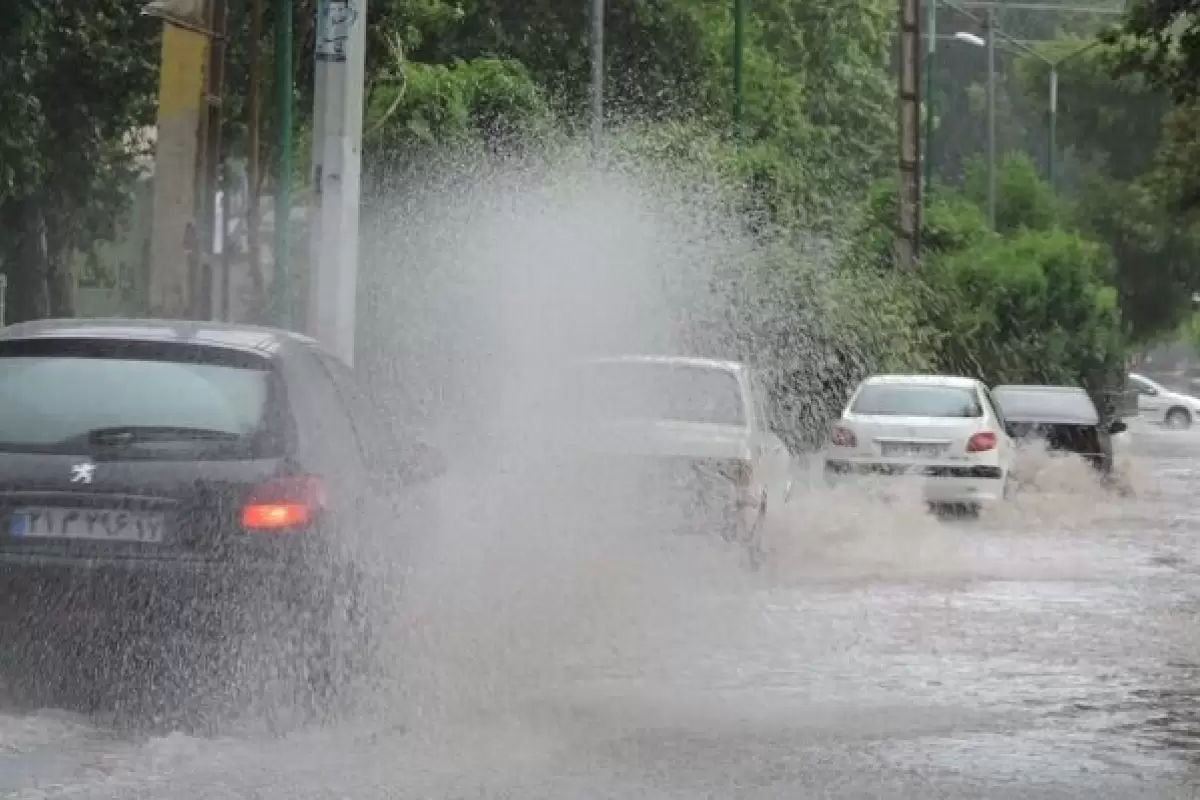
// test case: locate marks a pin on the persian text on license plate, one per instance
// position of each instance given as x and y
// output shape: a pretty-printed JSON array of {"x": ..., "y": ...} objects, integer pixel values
[
  {"x": 83, "y": 523},
  {"x": 911, "y": 450}
]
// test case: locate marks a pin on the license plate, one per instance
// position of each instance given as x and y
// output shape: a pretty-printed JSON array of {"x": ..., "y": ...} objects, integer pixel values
[
  {"x": 911, "y": 450},
  {"x": 83, "y": 523}
]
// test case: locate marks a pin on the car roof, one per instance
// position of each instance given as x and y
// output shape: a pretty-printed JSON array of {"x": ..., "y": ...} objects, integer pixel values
[
  {"x": 956, "y": 381},
  {"x": 684, "y": 361},
  {"x": 248, "y": 338},
  {"x": 1078, "y": 407},
  {"x": 1021, "y": 387}
]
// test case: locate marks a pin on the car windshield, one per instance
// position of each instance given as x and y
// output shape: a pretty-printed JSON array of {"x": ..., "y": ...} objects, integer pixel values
[
  {"x": 916, "y": 400},
  {"x": 78, "y": 404},
  {"x": 1032, "y": 405},
  {"x": 1138, "y": 383},
  {"x": 658, "y": 391}
]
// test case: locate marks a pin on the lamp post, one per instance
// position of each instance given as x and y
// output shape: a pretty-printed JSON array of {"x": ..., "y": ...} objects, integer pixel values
[
  {"x": 739, "y": 49},
  {"x": 990, "y": 44},
  {"x": 1052, "y": 98},
  {"x": 931, "y": 52}
]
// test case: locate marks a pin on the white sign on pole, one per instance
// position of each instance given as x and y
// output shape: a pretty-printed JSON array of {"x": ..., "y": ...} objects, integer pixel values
[{"x": 335, "y": 18}]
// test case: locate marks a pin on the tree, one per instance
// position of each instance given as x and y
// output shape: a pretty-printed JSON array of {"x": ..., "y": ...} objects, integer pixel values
[
  {"x": 1036, "y": 308},
  {"x": 79, "y": 89},
  {"x": 1023, "y": 200},
  {"x": 1139, "y": 178},
  {"x": 1101, "y": 112}
]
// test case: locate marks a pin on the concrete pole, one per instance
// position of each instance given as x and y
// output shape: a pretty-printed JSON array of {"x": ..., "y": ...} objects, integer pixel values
[
  {"x": 204, "y": 294},
  {"x": 281, "y": 283},
  {"x": 176, "y": 249},
  {"x": 739, "y": 55},
  {"x": 930, "y": 56},
  {"x": 597, "y": 89},
  {"x": 990, "y": 23},
  {"x": 337, "y": 164},
  {"x": 1052, "y": 145},
  {"x": 908, "y": 232}
]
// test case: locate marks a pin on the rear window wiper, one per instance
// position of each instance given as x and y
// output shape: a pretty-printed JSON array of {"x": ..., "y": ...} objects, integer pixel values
[{"x": 122, "y": 435}]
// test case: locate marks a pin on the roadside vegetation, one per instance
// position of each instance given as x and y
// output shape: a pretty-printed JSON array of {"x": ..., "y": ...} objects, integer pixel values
[{"x": 1072, "y": 280}]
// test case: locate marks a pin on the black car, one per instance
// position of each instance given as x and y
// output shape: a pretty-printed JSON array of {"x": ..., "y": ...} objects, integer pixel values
[
  {"x": 197, "y": 481},
  {"x": 1064, "y": 417}
]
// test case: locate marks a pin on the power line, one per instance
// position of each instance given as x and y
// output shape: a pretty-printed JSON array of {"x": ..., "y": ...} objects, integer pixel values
[{"x": 1061, "y": 9}]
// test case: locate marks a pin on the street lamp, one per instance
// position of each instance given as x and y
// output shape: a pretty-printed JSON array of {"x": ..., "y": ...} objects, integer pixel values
[
  {"x": 989, "y": 26},
  {"x": 1052, "y": 104},
  {"x": 1052, "y": 99}
]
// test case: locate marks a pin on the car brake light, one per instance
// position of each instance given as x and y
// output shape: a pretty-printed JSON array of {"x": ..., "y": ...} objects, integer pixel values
[
  {"x": 841, "y": 436},
  {"x": 981, "y": 442},
  {"x": 284, "y": 503}
]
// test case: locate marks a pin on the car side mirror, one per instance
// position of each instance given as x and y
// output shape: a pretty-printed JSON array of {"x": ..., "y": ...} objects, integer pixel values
[{"x": 1118, "y": 426}]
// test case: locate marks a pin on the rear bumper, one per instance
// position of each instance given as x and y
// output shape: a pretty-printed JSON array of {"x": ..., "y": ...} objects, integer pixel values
[
  {"x": 974, "y": 484},
  {"x": 193, "y": 597}
]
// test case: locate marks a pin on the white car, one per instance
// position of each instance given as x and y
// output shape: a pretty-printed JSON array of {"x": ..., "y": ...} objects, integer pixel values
[
  {"x": 690, "y": 425},
  {"x": 1160, "y": 405},
  {"x": 943, "y": 433}
]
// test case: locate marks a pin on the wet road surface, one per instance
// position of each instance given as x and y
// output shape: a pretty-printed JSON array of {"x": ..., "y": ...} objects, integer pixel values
[{"x": 1050, "y": 650}]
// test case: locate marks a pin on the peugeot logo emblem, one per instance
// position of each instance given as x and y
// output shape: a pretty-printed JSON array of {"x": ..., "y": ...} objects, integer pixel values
[{"x": 83, "y": 473}]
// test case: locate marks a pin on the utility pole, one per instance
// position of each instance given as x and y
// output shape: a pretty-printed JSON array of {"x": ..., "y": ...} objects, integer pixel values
[
  {"x": 182, "y": 206},
  {"x": 990, "y": 28},
  {"x": 337, "y": 165},
  {"x": 597, "y": 35},
  {"x": 930, "y": 55},
  {"x": 253, "y": 165},
  {"x": 203, "y": 301},
  {"x": 739, "y": 51},
  {"x": 1052, "y": 129},
  {"x": 281, "y": 283},
  {"x": 908, "y": 233}
]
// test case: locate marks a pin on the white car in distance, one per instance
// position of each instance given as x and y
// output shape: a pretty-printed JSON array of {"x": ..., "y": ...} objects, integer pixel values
[
  {"x": 1161, "y": 406},
  {"x": 942, "y": 433}
]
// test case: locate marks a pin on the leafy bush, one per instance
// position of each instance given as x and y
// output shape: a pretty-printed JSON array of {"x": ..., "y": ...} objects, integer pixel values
[
  {"x": 1023, "y": 199},
  {"x": 1036, "y": 308}
]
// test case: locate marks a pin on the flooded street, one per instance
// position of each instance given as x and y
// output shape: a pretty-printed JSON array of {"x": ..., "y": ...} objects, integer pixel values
[{"x": 1049, "y": 650}]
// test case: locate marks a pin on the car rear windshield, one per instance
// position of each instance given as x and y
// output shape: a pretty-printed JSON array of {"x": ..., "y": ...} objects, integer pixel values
[
  {"x": 1025, "y": 405},
  {"x": 912, "y": 400},
  {"x": 136, "y": 400},
  {"x": 658, "y": 391}
]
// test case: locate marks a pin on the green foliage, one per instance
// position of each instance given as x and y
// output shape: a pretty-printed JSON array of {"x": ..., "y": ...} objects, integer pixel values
[
  {"x": 1141, "y": 182},
  {"x": 1035, "y": 308},
  {"x": 1112, "y": 123},
  {"x": 1155, "y": 253},
  {"x": 1023, "y": 200},
  {"x": 949, "y": 223},
  {"x": 76, "y": 87},
  {"x": 487, "y": 102},
  {"x": 1189, "y": 331}
]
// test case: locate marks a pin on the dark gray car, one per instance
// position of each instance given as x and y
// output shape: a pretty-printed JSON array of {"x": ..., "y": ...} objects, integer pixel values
[
  {"x": 1064, "y": 417},
  {"x": 190, "y": 481}
]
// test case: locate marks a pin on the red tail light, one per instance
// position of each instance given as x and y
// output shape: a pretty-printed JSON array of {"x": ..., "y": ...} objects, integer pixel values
[
  {"x": 284, "y": 504},
  {"x": 841, "y": 436},
  {"x": 981, "y": 442}
]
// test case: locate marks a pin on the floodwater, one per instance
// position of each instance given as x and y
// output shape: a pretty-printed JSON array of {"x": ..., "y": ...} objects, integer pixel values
[{"x": 1050, "y": 650}]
